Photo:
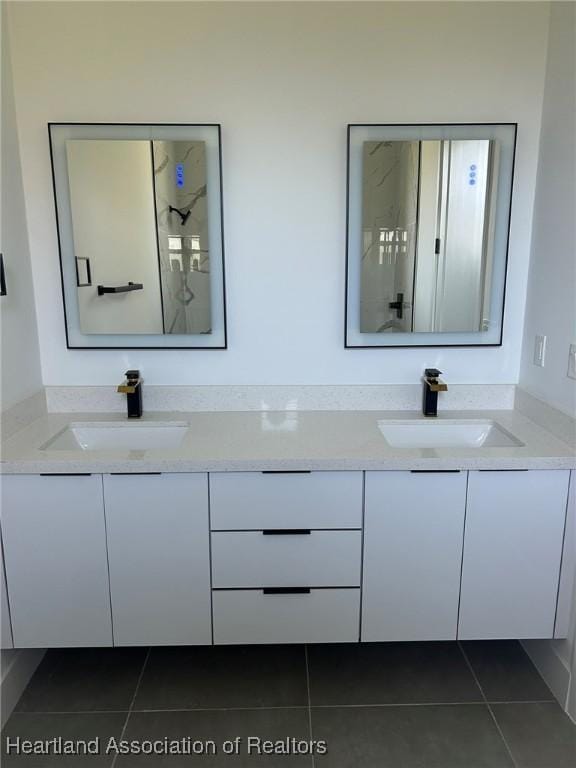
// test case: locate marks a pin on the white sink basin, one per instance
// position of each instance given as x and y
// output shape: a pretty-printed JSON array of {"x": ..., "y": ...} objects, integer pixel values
[
  {"x": 118, "y": 437},
  {"x": 447, "y": 433}
]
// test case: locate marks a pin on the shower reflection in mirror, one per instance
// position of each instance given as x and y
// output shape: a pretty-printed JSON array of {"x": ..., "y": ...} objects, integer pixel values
[
  {"x": 139, "y": 216},
  {"x": 427, "y": 237}
]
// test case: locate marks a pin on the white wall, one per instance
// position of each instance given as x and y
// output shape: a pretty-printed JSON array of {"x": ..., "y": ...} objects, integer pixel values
[
  {"x": 284, "y": 79},
  {"x": 20, "y": 361},
  {"x": 551, "y": 307},
  {"x": 551, "y": 304}
]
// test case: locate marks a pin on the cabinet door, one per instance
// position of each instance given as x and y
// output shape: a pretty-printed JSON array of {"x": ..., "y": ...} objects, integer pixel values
[
  {"x": 55, "y": 556},
  {"x": 512, "y": 552},
  {"x": 158, "y": 549},
  {"x": 413, "y": 531},
  {"x": 567, "y": 590}
]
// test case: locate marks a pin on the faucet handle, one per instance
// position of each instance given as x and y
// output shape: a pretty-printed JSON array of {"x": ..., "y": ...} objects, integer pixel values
[
  {"x": 432, "y": 380},
  {"x": 132, "y": 381}
]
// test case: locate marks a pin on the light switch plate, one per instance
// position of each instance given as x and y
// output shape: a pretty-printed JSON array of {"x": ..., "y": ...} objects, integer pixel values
[
  {"x": 540, "y": 351},
  {"x": 572, "y": 362}
]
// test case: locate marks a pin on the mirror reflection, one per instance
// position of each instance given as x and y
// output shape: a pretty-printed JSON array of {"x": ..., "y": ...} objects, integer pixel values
[
  {"x": 427, "y": 246},
  {"x": 140, "y": 235},
  {"x": 428, "y": 221},
  {"x": 134, "y": 221}
]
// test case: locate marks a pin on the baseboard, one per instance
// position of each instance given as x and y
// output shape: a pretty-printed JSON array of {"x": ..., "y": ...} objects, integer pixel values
[
  {"x": 18, "y": 672},
  {"x": 554, "y": 671}
]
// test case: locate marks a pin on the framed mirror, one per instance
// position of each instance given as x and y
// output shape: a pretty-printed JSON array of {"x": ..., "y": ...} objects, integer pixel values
[
  {"x": 140, "y": 230},
  {"x": 427, "y": 234}
]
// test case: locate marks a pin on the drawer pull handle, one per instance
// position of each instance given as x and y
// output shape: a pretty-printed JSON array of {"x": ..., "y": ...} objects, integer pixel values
[
  {"x": 286, "y": 532},
  {"x": 286, "y": 591},
  {"x": 434, "y": 471},
  {"x": 286, "y": 471}
]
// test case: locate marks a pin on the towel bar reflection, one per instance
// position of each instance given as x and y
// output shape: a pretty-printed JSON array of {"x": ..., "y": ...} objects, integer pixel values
[
  {"x": 102, "y": 289},
  {"x": 2, "y": 277},
  {"x": 88, "y": 281}
]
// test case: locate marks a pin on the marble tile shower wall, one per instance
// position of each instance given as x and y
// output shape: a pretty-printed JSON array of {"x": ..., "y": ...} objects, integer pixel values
[
  {"x": 389, "y": 206},
  {"x": 183, "y": 244}
]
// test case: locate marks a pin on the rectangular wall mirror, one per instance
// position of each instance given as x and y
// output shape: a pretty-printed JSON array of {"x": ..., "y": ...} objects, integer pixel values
[
  {"x": 427, "y": 238},
  {"x": 139, "y": 214}
]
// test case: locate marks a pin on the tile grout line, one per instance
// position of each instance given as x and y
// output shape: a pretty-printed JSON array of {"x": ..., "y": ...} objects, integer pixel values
[
  {"x": 372, "y": 705},
  {"x": 33, "y": 712},
  {"x": 166, "y": 709},
  {"x": 131, "y": 707},
  {"x": 492, "y": 715},
  {"x": 393, "y": 704},
  {"x": 309, "y": 701}
]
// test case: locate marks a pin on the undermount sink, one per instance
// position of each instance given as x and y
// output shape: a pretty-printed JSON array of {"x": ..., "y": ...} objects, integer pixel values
[
  {"x": 447, "y": 433},
  {"x": 117, "y": 437}
]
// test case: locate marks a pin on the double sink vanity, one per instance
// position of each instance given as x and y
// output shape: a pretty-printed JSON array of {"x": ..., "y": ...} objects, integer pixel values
[{"x": 285, "y": 527}]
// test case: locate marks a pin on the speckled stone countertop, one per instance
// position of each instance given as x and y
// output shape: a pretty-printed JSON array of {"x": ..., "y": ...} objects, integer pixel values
[{"x": 281, "y": 440}]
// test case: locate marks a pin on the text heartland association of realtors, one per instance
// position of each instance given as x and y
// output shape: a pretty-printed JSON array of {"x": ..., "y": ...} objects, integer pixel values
[{"x": 250, "y": 745}]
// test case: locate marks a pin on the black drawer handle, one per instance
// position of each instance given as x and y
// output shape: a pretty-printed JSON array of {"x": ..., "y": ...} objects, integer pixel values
[
  {"x": 286, "y": 591},
  {"x": 434, "y": 471},
  {"x": 287, "y": 532},
  {"x": 286, "y": 472}
]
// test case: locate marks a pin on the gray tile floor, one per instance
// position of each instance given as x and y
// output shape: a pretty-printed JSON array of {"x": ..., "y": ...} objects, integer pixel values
[{"x": 402, "y": 705}]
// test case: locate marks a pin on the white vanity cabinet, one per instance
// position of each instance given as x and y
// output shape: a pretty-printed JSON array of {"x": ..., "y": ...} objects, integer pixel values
[
  {"x": 55, "y": 556},
  {"x": 413, "y": 533},
  {"x": 158, "y": 550},
  {"x": 512, "y": 553},
  {"x": 286, "y": 556}
]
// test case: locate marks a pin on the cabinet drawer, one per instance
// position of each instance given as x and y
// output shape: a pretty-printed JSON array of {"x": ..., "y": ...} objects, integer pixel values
[
  {"x": 256, "y": 500},
  {"x": 320, "y": 616},
  {"x": 315, "y": 558}
]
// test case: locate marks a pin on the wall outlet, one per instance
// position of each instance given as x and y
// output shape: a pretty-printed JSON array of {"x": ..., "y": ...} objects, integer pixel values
[
  {"x": 539, "y": 350},
  {"x": 572, "y": 362}
]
